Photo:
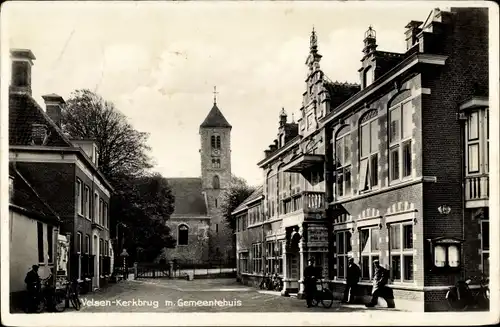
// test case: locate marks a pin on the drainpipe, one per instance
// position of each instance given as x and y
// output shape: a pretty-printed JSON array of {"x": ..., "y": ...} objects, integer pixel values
[
  {"x": 462, "y": 177},
  {"x": 328, "y": 170}
]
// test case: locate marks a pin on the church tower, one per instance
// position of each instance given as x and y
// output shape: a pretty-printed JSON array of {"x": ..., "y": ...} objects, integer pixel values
[{"x": 215, "y": 134}]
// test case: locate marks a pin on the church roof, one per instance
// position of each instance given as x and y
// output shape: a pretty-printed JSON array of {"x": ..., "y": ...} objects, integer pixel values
[
  {"x": 215, "y": 118},
  {"x": 189, "y": 198}
]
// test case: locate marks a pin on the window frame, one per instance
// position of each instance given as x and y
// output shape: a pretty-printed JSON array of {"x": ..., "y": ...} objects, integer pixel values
[
  {"x": 371, "y": 254},
  {"x": 185, "y": 229},
  {"x": 257, "y": 258},
  {"x": 86, "y": 202},
  {"x": 101, "y": 211},
  {"x": 343, "y": 166},
  {"x": 40, "y": 242},
  {"x": 86, "y": 246},
  {"x": 271, "y": 185},
  {"x": 483, "y": 249},
  {"x": 243, "y": 260},
  {"x": 79, "y": 242},
  {"x": 400, "y": 142},
  {"x": 367, "y": 183},
  {"x": 401, "y": 252},
  {"x": 79, "y": 196},
  {"x": 343, "y": 254}
]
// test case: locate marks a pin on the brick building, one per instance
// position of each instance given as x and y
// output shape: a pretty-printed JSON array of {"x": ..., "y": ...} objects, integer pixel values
[
  {"x": 395, "y": 169},
  {"x": 197, "y": 224},
  {"x": 63, "y": 173}
]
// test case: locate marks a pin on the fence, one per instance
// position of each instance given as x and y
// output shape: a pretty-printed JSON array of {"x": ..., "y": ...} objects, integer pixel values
[{"x": 183, "y": 268}]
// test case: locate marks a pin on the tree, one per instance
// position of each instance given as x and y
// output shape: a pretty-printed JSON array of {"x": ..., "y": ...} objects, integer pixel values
[
  {"x": 122, "y": 149},
  {"x": 142, "y": 201},
  {"x": 232, "y": 197},
  {"x": 144, "y": 208}
]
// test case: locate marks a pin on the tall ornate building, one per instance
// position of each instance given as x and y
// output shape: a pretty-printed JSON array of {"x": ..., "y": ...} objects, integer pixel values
[
  {"x": 197, "y": 223},
  {"x": 395, "y": 169}
]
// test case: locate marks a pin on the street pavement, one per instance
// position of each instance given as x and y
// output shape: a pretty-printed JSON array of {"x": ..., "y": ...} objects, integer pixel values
[{"x": 199, "y": 295}]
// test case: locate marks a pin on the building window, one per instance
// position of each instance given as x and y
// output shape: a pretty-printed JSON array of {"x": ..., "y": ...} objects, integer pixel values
[
  {"x": 86, "y": 202},
  {"x": 215, "y": 141},
  {"x": 447, "y": 255},
  {"x": 101, "y": 211},
  {"x": 50, "y": 244},
  {"x": 401, "y": 251},
  {"x": 343, "y": 243},
  {"x": 343, "y": 161},
  {"x": 79, "y": 196},
  {"x": 87, "y": 244},
  {"x": 183, "y": 232},
  {"x": 368, "y": 161},
  {"x": 106, "y": 215},
  {"x": 96, "y": 208},
  {"x": 39, "y": 227},
  {"x": 272, "y": 182},
  {"x": 244, "y": 262},
  {"x": 257, "y": 258},
  {"x": 368, "y": 76},
  {"x": 216, "y": 182},
  {"x": 215, "y": 163},
  {"x": 369, "y": 250},
  {"x": 485, "y": 247},
  {"x": 473, "y": 142},
  {"x": 274, "y": 260},
  {"x": 78, "y": 244},
  {"x": 101, "y": 256},
  {"x": 400, "y": 135}
]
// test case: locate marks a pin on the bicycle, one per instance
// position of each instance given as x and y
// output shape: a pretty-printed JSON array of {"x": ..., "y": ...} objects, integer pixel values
[
  {"x": 277, "y": 283},
  {"x": 323, "y": 295},
  {"x": 266, "y": 283},
  {"x": 460, "y": 297},
  {"x": 71, "y": 294},
  {"x": 47, "y": 297}
]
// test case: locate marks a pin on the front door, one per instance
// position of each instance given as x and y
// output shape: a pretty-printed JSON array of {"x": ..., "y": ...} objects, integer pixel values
[{"x": 95, "y": 247}]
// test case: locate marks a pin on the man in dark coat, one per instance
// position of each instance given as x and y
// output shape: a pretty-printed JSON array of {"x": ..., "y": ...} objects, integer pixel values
[
  {"x": 33, "y": 285},
  {"x": 353, "y": 275},
  {"x": 311, "y": 275},
  {"x": 380, "y": 289}
]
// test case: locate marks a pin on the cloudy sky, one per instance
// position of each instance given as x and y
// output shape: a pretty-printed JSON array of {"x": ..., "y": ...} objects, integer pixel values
[{"x": 158, "y": 62}]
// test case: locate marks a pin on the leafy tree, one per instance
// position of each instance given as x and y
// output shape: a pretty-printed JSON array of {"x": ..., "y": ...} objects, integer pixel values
[
  {"x": 144, "y": 209},
  {"x": 232, "y": 197},
  {"x": 122, "y": 149},
  {"x": 142, "y": 201}
]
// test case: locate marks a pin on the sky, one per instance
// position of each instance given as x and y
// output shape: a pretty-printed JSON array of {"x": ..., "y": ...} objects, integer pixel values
[{"x": 158, "y": 63}]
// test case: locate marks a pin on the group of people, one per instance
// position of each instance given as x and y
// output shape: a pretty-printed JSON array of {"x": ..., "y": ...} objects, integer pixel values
[{"x": 380, "y": 279}]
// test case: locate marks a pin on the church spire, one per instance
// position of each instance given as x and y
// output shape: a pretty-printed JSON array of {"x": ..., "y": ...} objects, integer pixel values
[
  {"x": 314, "y": 57},
  {"x": 215, "y": 95}
]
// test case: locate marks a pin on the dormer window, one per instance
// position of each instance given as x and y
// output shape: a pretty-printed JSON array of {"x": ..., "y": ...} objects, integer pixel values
[
  {"x": 38, "y": 134},
  {"x": 368, "y": 76}
]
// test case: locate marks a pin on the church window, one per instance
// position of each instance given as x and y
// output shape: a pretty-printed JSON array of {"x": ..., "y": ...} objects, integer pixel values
[
  {"x": 215, "y": 141},
  {"x": 216, "y": 182},
  {"x": 215, "y": 163},
  {"x": 182, "y": 237}
]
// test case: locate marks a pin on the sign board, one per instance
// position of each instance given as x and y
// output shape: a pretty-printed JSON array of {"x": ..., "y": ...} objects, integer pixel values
[{"x": 62, "y": 260}]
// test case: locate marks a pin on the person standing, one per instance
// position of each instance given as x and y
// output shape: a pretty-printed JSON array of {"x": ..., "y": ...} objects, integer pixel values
[
  {"x": 33, "y": 286},
  {"x": 380, "y": 289},
  {"x": 311, "y": 275},
  {"x": 352, "y": 280}
]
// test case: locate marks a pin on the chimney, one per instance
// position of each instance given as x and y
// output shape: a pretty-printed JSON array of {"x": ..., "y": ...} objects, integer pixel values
[
  {"x": 411, "y": 33},
  {"x": 283, "y": 117},
  {"x": 53, "y": 107},
  {"x": 22, "y": 60}
]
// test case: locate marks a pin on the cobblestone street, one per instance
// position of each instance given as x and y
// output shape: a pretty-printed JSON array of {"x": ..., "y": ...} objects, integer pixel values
[{"x": 211, "y": 295}]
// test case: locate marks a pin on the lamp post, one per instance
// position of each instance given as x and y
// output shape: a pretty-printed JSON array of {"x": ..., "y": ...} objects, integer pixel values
[{"x": 124, "y": 255}]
